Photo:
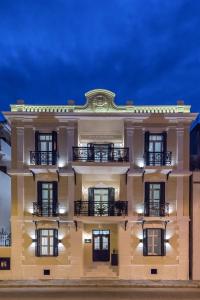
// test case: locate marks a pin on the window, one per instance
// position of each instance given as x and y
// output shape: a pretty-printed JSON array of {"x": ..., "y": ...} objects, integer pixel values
[
  {"x": 155, "y": 148},
  {"x": 46, "y": 148},
  {"x": 153, "y": 242},
  {"x": 47, "y": 198},
  {"x": 47, "y": 242},
  {"x": 101, "y": 201},
  {"x": 154, "y": 204}
]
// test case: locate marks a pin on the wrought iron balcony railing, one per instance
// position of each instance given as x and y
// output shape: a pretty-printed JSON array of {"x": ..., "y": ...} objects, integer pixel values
[
  {"x": 5, "y": 238},
  {"x": 158, "y": 158},
  {"x": 100, "y": 208},
  {"x": 156, "y": 209},
  {"x": 101, "y": 154},
  {"x": 43, "y": 157},
  {"x": 45, "y": 210}
]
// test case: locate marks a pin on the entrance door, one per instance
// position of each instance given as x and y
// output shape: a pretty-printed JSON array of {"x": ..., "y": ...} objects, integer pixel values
[{"x": 101, "y": 245}]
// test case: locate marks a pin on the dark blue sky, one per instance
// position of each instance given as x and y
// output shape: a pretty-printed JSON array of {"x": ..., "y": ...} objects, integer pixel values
[{"x": 144, "y": 50}]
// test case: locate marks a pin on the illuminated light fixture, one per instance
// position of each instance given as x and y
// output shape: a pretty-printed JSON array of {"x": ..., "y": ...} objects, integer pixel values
[
  {"x": 62, "y": 210},
  {"x": 166, "y": 241},
  {"x": 141, "y": 240},
  {"x": 34, "y": 240},
  {"x": 61, "y": 163},
  {"x": 140, "y": 164},
  {"x": 140, "y": 211},
  {"x": 59, "y": 241}
]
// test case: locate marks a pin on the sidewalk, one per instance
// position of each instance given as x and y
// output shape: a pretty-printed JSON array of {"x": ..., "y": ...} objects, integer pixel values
[{"x": 99, "y": 283}]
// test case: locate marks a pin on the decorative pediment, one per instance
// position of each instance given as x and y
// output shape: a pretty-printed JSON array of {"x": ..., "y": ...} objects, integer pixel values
[{"x": 100, "y": 100}]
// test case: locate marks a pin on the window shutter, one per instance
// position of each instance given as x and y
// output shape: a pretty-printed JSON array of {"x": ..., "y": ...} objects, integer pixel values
[
  {"x": 37, "y": 155},
  {"x": 36, "y": 140},
  {"x": 162, "y": 199},
  {"x": 55, "y": 198},
  {"x": 164, "y": 141},
  {"x": 55, "y": 242},
  {"x": 146, "y": 199},
  {"x": 164, "y": 134},
  {"x": 54, "y": 147},
  {"x": 91, "y": 201},
  {"x": 39, "y": 197},
  {"x": 163, "y": 247},
  {"x": 54, "y": 140},
  {"x": 146, "y": 147},
  {"x": 37, "y": 244},
  {"x": 111, "y": 199},
  {"x": 145, "y": 242}
]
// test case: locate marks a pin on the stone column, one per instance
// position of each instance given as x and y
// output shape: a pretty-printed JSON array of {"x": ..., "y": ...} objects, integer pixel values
[
  {"x": 20, "y": 147},
  {"x": 63, "y": 146},
  {"x": 129, "y": 132},
  {"x": 71, "y": 140}
]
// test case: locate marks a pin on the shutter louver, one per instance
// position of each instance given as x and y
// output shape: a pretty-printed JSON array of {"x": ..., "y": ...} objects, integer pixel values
[
  {"x": 55, "y": 242},
  {"x": 55, "y": 198},
  {"x": 162, "y": 199},
  {"x": 91, "y": 202},
  {"x": 146, "y": 199},
  {"x": 163, "y": 247}
]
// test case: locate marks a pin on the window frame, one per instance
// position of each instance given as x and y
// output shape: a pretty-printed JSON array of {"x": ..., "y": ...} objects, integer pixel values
[
  {"x": 147, "y": 201},
  {"x": 52, "y": 211},
  {"x": 39, "y": 236},
  {"x": 162, "y": 242}
]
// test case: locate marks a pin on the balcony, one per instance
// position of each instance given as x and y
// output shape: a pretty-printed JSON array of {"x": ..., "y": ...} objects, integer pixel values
[
  {"x": 43, "y": 158},
  {"x": 100, "y": 160},
  {"x": 103, "y": 208},
  {"x": 156, "y": 209},
  {"x": 158, "y": 158},
  {"x": 5, "y": 238},
  {"x": 100, "y": 154},
  {"x": 45, "y": 210}
]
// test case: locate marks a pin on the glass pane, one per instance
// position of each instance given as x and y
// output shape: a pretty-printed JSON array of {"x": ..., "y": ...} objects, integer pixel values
[
  {"x": 105, "y": 243},
  {"x": 97, "y": 243}
]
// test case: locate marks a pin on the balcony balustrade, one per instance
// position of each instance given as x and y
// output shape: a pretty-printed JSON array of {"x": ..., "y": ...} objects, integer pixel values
[
  {"x": 43, "y": 157},
  {"x": 5, "y": 238},
  {"x": 100, "y": 154},
  {"x": 100, "y": 208},
  {"x": 158, "y": 158},
  {"x": 156, "y": 209},
  {"x": 45, "y": 210}
]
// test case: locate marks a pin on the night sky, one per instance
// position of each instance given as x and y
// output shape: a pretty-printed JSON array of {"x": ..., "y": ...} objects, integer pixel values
[{"x": 147, "y": 51}]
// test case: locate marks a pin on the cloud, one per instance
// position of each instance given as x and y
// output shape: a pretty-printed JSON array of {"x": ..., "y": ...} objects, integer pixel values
[{"x": 145, "y": 50}]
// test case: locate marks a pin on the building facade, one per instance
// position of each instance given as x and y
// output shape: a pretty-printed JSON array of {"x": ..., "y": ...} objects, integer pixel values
[
  {"x": 5, "y": 194},
  {"x": 100, "y": 190},
  {"x": 195, "y": 200}
]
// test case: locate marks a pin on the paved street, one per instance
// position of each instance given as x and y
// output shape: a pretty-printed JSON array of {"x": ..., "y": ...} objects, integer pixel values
[{"x": 100, "y": 293}]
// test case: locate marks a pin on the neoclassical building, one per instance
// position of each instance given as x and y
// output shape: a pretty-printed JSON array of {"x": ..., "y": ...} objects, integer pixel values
[{"x": 99, "y": 190}]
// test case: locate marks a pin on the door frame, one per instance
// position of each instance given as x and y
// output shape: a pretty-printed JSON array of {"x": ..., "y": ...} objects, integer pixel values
[{"x": 101, "y": 256}]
